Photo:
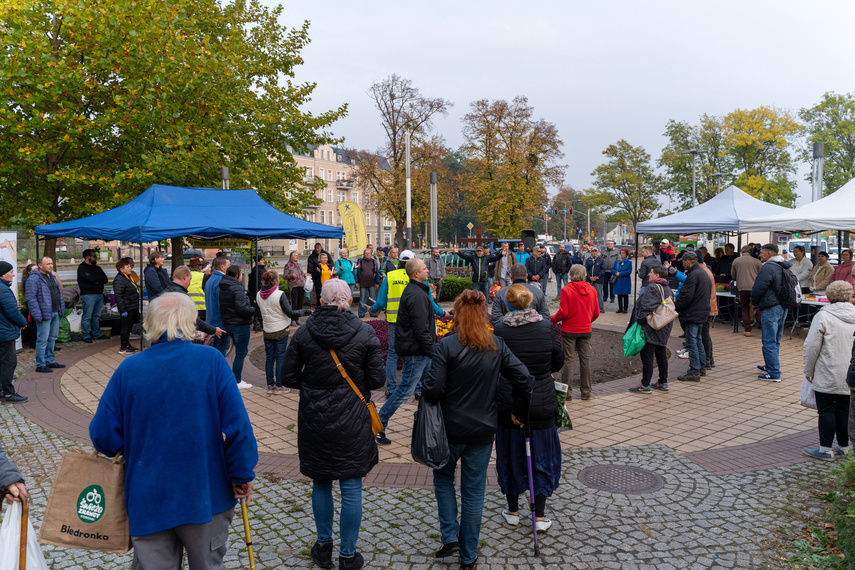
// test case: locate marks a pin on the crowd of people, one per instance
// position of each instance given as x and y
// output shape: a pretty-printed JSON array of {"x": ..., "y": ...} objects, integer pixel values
[{"x": 494, "y": 383}]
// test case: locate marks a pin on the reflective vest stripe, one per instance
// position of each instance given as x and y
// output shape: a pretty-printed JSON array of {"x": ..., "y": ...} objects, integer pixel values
[
  {"x": 195, "y": 289},
  {"x": 398, "y": 280}
]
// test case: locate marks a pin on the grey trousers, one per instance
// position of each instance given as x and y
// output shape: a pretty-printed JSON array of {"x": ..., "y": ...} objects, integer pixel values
[
  {"x": 598, "y": 285},
  {"x": 205, "y": 545}
]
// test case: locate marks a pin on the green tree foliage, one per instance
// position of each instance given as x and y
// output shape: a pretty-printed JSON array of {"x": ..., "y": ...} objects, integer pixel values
[
  {"x": 832, "y": 121},
  {"x": 104, "y": 98},
  {"x": 712, "y": 167},
  {"x": 626, "y": 186},
  {"x": 758, "y": 142},
  {"x": 403, "y": 109},
  {"x": 513, "y": 158}
]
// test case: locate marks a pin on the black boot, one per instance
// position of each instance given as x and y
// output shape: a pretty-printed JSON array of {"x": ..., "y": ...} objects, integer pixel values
[
  {"x": 352, "y": 563},
  {"x": 322, "y": 554}
]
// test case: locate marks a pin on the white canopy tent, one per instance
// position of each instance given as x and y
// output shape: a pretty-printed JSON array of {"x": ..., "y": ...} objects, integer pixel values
[
  {"x": 726, "y": 212},
  {"x": 834, "y": 212}
]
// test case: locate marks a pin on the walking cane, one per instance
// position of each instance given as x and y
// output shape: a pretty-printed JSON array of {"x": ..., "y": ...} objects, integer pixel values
[
  {"x": 246, "y": 531},
  {"x": 22, "y": 553},
  {"x": 527, "y": 431}
]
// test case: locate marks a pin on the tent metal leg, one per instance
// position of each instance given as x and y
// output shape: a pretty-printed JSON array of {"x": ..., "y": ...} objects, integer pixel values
[
  {"x": 37, "y": 248},
  {"x": 142, "y": 281}
]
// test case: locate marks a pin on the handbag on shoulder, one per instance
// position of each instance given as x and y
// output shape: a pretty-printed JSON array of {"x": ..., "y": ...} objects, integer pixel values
[
  {"x": 664, "y": 313},
  {"x": 376, "y": 424}
]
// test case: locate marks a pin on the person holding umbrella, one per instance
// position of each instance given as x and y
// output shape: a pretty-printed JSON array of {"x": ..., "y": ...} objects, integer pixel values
[
  {"x": 463, "y": 377},
  {"x": 531, "y": 338}
]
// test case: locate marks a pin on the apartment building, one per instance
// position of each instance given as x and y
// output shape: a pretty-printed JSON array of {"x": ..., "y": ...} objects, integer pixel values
[{"x": 332, "y": 165}]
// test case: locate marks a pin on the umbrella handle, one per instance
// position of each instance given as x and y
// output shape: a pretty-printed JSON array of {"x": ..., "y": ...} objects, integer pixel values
[
  {"x": 22, "y": 553},
  {"x": 246, "y": 532}
]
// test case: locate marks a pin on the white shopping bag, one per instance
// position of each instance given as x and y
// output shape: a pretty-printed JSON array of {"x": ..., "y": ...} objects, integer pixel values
[
  {"x": 309, "y": 284},
  {"x": 807, "y": 396},
  {"x": 75, "y": 319},
  {"x": 10, "y": 542}
]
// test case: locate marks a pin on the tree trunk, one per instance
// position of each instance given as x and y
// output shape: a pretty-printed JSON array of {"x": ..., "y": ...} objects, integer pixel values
[
  {"x": 400, "y": 236},
  {"x": 49, "y": 249},
  {"x": 177, "y": 252}
]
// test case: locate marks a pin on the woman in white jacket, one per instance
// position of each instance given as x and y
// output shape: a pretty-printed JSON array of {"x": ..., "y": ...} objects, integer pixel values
[{"x": 826, "y": 349}]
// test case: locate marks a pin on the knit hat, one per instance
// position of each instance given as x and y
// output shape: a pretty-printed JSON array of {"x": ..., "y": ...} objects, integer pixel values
[{"x": 5, "y": 267}]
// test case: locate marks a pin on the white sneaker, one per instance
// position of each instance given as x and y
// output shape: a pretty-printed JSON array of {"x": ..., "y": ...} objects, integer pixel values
[
  {"x": 511, "y": 519},
  {"x": 683, "y": 355},
  {"x": 543, "y": 525},
  {"x": 244, "y": 385}
]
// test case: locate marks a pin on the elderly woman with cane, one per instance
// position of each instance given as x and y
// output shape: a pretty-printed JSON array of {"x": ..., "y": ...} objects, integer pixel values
[
  {"x": 334, "y": 436},
  {"x": 531, "y": 338},
  {"x": 463, "y": 377}
]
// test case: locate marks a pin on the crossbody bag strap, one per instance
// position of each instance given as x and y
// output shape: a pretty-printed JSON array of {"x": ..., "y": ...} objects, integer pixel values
[{"x": 346, "y": 376}]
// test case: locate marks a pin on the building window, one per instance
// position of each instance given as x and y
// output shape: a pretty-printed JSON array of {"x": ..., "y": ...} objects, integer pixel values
[
  {"x": 321, "y": 173},
  {"x": 367, "y": 218},
  {"x": 342, "y": 196},
  {"x": 354, "y": 196},
  {"x": 329, "y": 195},
  {"x": 323, "y": 221},
  {"x": 309, "y": 172},
  {"x": 329, "y": 174}
]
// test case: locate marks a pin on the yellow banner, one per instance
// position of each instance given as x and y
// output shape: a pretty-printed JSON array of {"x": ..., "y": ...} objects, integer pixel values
[
  {"x": 353, "y": 223},
  {"x": 220, "y": 243}
]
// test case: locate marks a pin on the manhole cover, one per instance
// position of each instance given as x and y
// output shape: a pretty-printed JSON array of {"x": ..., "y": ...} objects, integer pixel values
[{"x": 621, "y": 479}]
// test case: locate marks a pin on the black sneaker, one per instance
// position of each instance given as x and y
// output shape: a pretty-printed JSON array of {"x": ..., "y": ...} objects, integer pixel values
[
  {"x": 87, "y": 340},
  {"x": 322, "y": 554},
  {"x": 703, "y": 371},
  {"x": 43, "y": 369},
  {"x": 689, "y": 378},
  {"x": 387, "y": 393},
  {"x": 353, "y": 563},
  {"x": 469, "y": 566},
  {"x": 417, "y": 397},
  {"x": 56, "y": 365},
  {"x": 448, "y": 549},
  {"x": 14, "y": 399},
  {"x": 130, "y": 349},
  {"x": 762, "y": 368},
  {"x": 382, "y": 439}
]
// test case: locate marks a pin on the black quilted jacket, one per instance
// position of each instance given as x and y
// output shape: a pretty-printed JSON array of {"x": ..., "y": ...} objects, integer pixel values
[
  {"x": 235, "y": 309},
  {"x": 334, "y": 436}
]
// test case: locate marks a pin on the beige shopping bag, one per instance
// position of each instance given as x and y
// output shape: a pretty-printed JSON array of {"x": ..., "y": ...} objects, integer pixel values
[{"x": 86, "y": 507}]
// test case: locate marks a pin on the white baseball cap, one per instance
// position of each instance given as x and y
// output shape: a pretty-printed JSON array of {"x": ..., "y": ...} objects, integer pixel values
[
  {"x": 665, "y": 241},
  {"x": 406, "y": 255}
]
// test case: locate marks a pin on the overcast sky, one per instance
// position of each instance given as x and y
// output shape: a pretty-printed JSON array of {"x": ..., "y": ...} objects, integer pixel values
[{"x": 600, "y": 71}]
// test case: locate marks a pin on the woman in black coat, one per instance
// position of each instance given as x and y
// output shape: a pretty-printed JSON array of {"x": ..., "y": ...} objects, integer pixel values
[
  {"x": 334, "y": 436},
  {"x": 533, "y": 340},
  {"x": 128, "y": 302},
  {"x": 656, "y": 340}
]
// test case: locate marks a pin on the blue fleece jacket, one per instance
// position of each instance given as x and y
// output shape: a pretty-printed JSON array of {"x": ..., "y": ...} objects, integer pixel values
[
  {"x": 212, "y": 299},
  {"x": 185, "y": 433}
]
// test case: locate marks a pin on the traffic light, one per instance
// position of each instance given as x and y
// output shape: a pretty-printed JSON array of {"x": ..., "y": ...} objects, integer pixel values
[{"x": 570, "y": 211}]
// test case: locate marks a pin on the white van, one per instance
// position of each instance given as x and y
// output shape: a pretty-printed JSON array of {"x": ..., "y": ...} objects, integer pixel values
[{"x": 805, "y": 243}]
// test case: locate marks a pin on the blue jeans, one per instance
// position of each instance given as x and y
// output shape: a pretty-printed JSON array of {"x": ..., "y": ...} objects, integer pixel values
[
  {"x": 772, "y": 327},
  {"x": 90, "y": 322},
  {"x": 484, "y": 287},
  {"x": 351, "y": 512},
  {"x": 560, "y": 281},
  {"x": 695, "y": 343},
  {"x": 222, "y": 343},
  {"x": 240, "y": 336},
  {"x": 274, "y": 352},
  {"x": 364, "y": 294},
  {"x": 411, "y": 376},
  {"x": 46, "y": 333},
  {"x": 474, "y": 460},
  {"x": 391, "y": 361}
]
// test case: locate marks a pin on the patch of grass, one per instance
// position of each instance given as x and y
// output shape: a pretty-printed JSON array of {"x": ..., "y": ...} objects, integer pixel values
[
  {"x": 290, "y": 426},
  {"x": 434, "y": 535},
  {"x": 482, "y": 543},
  {"x": 306, "y": 552},
  {"x": 296, "y": 508}
]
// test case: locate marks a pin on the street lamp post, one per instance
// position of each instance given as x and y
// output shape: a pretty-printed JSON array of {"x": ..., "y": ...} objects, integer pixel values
[{"x": 694, "y": 152}]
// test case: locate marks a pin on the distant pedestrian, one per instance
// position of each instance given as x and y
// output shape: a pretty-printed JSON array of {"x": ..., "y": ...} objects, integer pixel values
[
  {"x": 802, "y": 267},
  {"x": 622, "y": 274},
  {"x": 596, "y": 269},
  {"x": 693, "y": 306},
  {"x": 128, "y": 304},
  {"x": 91, "y": 280},
  {"x": 185, "y": 435},
  {"x": 313, "y": 268},
  {"x": 578, "y": 308},
  {"x": 236, "y": 312},
  {"x": 532, "y": 339},
  {"x": 277, "y": 315},
  {"x": 480, "y": 269},
  {"x": 367, "y": 276},
  {"x": 334, "y": 437},
  {"x": 744, "y": 271},
  {"x": 843, "y": 271},
  {"x": 655, "y": 340},
  {"x": 826, "y": 348},
  {"x": 521, "y": 254},
  {"x": 765, "y": 296},
  {"x": 519, "y": 275},
  {"x": 255, "y": 276},
  {"x": 820, "y": 275},
  {"x": 464, "y": 379},
  {"x": 12, "y": 322},
  {"x": 212, "y": 300},
  {"x": 705, "y": 331},
  {"x": 649, "y": 261},
  {"x": 343, "y": 269},
  {"x": 610, "y": 256},
  {"x": 44, "y": 299},
  {"x": 293, "y": 274},
  {"x": 436, "y": 272},
  {"x": 537, "y": 269},
  {"x": 155, "y": 276},
  {"x": 561, "y": 264}
]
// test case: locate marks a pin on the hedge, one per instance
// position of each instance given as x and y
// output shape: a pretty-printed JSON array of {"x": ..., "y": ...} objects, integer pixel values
[{"x": 453, "y": 286}]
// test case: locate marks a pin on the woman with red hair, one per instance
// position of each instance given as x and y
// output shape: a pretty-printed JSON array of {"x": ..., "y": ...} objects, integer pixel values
[{"x": 464, "y": 378}]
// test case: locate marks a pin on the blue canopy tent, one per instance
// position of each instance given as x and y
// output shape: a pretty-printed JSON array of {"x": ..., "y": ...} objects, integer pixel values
[{"x": 164, "y": 212}]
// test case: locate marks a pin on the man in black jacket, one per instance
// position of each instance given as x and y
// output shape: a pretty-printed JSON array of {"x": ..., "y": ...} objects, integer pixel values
[
  {"x": 415, "y": 335},
  {"x": 538, "y": 269},
  {"x": 595, "y": 266},
  {"x": 765, "y": 296},
  {"x": 693, "y": 306},
  {"x": 236, "y": 313},
  {"x": 91, "y": 280},
  {"x": 561, "y": 264},
  {"x": 480, "y": 268}
]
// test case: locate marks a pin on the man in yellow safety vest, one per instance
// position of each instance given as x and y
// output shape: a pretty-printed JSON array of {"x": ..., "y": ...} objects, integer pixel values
[{"x": 196, "y": 289}]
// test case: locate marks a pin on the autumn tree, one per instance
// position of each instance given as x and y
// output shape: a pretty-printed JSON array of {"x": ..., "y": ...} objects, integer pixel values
[
  {"x": 103, "y": 99},
  {"x": 403, "y": 109},
  {"x": 569, "y": 197},
  {"x": 625, "y": 186},
  {"x": 713, "y": 166},
  {"x": 758, "y": 142},
  {"x": 513, "y": 158},
  {"x": 832, "y": 122}
]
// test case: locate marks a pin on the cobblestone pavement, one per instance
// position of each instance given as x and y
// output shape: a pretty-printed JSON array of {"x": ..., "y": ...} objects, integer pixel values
[{"x": 696, "y": 520}]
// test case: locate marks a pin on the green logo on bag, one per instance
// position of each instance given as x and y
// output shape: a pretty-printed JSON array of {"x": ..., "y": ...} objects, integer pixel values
[{"x": 90, "y": 504}]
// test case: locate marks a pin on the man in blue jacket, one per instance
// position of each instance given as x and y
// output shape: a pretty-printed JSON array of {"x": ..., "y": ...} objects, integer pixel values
[
  {"x": 189, "y": 447},
  {"x": 11, "y": 323},
  {"x": 44, "y": 300},
  {"x": 212, "y": 301}
]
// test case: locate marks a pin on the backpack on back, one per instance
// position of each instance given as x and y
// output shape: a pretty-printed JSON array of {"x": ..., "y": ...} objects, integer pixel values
[{"x": 790, "y": 294}]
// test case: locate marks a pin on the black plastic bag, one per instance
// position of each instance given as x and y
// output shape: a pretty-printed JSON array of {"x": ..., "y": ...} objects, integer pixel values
[{"x": 429, "y": 445}]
